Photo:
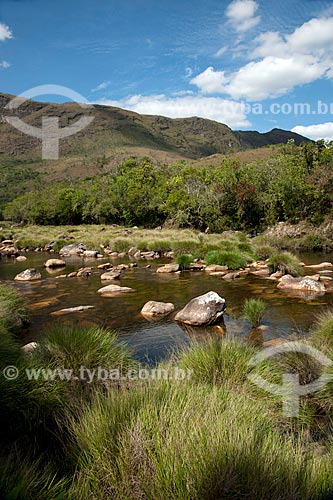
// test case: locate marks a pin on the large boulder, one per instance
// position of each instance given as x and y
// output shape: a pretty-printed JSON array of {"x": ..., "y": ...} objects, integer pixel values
[
  {"x": 168, "y": 268},
  {"x": 206, "y": 309},
  {"x": 73, "y": 249},
  {"x": 90, "y": 254},
  {"x": 28, "y": 275},
  {"x": 154, "y": 308},
  {"x": 53, "y": 263},
  {"x": 306, "y": 284}
]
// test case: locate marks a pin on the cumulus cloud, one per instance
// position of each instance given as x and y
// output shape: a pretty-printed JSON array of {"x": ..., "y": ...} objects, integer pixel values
[
  {"x": 4, "y": 64},
  {"x": 279, "y": 63},
  {"x": 241, "y": 14},
  {"x": 214, "y": 108},
  {"x": 5, "y": 32},
  {"x": 315, "y": 132},
  {"x": 210, "y": 81},
  {"x": 102, "y": 86}
]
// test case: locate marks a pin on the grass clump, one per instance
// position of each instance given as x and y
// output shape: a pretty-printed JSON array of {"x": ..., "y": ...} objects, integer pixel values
[
  {"x": 253, "y": 311},
  {"x": 232, "y": 259},
  {"x": 264, "y": 252},
  {"x": 188, "y": 247},
  {"x": 184, "y": 262},
  {"x": 217, "y": 361},
  {"x": 286, "y": 263},
  {"x": 13, "y": 312},
  {"x": 120, "y": 245}
]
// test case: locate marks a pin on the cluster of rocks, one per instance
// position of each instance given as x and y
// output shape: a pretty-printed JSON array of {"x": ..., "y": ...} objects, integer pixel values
[{"x": 207, "y": 309}]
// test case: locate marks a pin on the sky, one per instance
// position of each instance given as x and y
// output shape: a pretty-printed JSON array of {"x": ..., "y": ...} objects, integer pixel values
[{"x": 252, "y": 64}]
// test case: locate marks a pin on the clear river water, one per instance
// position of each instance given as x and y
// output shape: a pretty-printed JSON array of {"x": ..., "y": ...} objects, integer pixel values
[{"x": 286, "y": 314}]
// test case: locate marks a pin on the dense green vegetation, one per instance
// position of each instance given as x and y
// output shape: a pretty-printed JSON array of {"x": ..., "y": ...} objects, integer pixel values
[
  {"x": 209, "y": 436},
  {"x": 253, "y": 311},
  {"x": 296, "y": 184}
]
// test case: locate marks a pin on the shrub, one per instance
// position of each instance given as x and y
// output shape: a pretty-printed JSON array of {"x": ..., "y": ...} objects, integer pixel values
[
  {"x": 313, "y": 242},
  {"x": 184, "y": 261},
  {"x": 253, "y": 311},
  {"x": 232, "y": 259},
  {"x": 286, "y": 263},
  {"x": 263, "y": 252}
]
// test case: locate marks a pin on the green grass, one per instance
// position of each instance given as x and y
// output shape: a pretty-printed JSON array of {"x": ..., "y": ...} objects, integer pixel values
[
  {"x": 184, "y": 261},
  {"x": 232, "y": 259},
  {"x": 263, "y": 252},
  {"x": 286, "y": 263},
  {"x": 253, "y": 311},
  {"x": 13, "y": 312}
]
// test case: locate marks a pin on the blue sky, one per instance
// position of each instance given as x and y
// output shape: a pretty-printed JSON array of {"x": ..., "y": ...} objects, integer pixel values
[{"x": 227, "y": 61}]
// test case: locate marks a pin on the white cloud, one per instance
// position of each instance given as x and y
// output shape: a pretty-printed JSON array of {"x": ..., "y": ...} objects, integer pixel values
[
  {"x": 316, "y": 34},
  {"x": 210, "y": 81},
  {"x": 315, "y": 132},
  {"x": 4, "y": 64},
  {"x": 241, "y": 14},
  {"x": 221, "y": 110},
  {"x": 285, "y": 61},
  {"x": 5, "y": 32},
  {"x": 220, "y": 52},
  {"x": 102, "y": 86}
]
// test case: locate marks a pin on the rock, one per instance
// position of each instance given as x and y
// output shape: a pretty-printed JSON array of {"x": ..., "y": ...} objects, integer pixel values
[
  {"x": 148, "y": 266},
  {"x": 114, "y": 289},
  {"x": 231, "y": 276},
  {"x": 274, "y": 342},
  {"x": 107, "y": 265},
  {"x": 7, "y": 242},
  {"x": 132, "y": 251},
  {"x": 323, "y": 265},
  {"x": 277, "y": 275},
  {"x": 147, "y": 255},
  {"x": 90, "y": 254},
  {"x": 206, "y": 309},
  {"x": 154, "y": 308},
  {"x": 122, "y": 254},
  {"x": 132, "y": 265},
  {"x": 137, "y": 255},
  {"x": 84, "y": 272},
  {"x": 306, "y": 283},
  {"x": 218, "y": 273},
  {"x": 111, "y": 275},
  {"x": 194, "y": 266},
  {"x": 168, "y": 268},
  {"x": 28, "y": 275},
  {"x": 71, "y": 310},
  {"x": 29, "y": 348},
  {"x": 113, "y": 254},
  {"x": 61, "y": 276},
  {"x": 264, "y": 271},
  {"x": 73, "y": 249},
  {"x": 121, "y": 267},
  {"x": 21, "y": 258},
  {"x": 52, "y": 263},
  {"x": 72, "y": 275},
  {"x": 215, "y": 268}
]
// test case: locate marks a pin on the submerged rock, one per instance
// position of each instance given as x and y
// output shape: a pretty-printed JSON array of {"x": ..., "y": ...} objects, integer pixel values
[
  {"x": 21, "y": 258},
  {"x": 154, "y": 308},
  {"x": 52, "y": 263},
  {"x": 71, "y": 310},
  {"x": 306, "y": 283},
  {"x": 206, "y": 309},
  {"x": 322, "y": 265},
  {"x": 111, "y": 275},
  {"x": 168, "y": 268},
  {"x": 28, "y": 275},
  {"x": 114, "y": 289}
]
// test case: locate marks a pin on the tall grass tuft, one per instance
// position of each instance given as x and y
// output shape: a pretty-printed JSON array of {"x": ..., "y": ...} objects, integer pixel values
[
  {"x": 184, "y": 261},
  {"x": 231, "y": 258},
  {"x": 253, "y": 311},
  {"x": 13, "y": 312},
  {"x": 286, "y": 263}
]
